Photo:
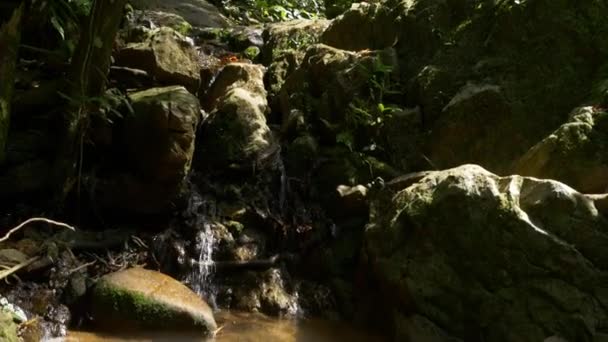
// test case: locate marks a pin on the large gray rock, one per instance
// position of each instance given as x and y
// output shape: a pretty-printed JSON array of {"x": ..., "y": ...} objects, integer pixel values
[
  {"x": 497, "y": 258},
  {"x": 157, "y": 143},
  {"x": 140, "y": 299},
  {"x": 198, "y": 13},
  {"x": 166, "y": 55},
  {"x": 576, "y": 153}
]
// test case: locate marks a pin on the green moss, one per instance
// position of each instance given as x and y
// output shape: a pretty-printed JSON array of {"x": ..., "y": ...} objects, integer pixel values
[
  {"x": 252, "y": 52},
  {"x": 132, "y": 310},
  {"x": 183, "y": 28},
  {"x": 8, "y": 329}
]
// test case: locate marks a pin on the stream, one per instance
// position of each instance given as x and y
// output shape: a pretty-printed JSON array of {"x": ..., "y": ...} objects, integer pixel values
[{"x": 245, "y": 327}]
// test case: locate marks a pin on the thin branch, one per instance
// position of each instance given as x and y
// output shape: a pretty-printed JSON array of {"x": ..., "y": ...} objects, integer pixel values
[
  {"x": 36, "y": 219},
  {"x": 4, "y": 274}
]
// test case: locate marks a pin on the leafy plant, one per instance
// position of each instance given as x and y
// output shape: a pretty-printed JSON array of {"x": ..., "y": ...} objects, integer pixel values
[
  {"x": 274, "y": 10},
  {"x": 64, "y": 16},
  {"x": 369, "y": 111}
]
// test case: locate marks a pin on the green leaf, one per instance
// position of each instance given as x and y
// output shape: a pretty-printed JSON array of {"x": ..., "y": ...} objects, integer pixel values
[
  {"x": 57, "y": 25},
  {"x": 346, "y": 138}
]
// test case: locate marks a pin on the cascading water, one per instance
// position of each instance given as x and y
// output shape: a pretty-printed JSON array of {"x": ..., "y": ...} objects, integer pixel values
[{"x": 201, "y": 277}]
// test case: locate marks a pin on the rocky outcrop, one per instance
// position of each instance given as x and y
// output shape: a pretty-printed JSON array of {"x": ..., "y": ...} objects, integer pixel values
[
  {"x": 136, "y": 299},
  {"x": 236, "y": 135},
  {"x": 265, "y": 292},
  {"x": 290, "y": 35},
  {"x": 166, "y": 55},
  {"x": 497, "y": 258},
  {"x": 576, "y": 153},
  {"x": 365, "y": 26},
  {"x": 156, "y": 147},
  {"x": 199, "y": 13}
]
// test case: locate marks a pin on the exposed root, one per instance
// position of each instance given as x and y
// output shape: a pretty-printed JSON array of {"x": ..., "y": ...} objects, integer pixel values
[
  {"x": 8, "y": 272},
  {"x": 36, "y": 219}
]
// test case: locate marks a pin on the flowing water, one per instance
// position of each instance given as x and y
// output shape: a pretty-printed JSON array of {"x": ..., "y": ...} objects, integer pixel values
[
  {"x": 246, "y": 327},
  {"x": 201, "y": 277}
]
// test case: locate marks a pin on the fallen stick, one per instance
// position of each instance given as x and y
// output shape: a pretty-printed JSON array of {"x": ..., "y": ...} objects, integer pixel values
[
  {"x": 36, "y": 219},
  {"x": 8, "y": 272}
]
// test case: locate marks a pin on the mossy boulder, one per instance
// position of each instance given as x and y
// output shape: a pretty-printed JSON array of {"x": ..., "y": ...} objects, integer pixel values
[
  {"x": 8, "y": 328},
  {"x": 444, "y": 46},
  {"x": 576, "y": 153},
  {"x": 155, "y": 151},
  {"x": 249, "y": 77},
  {"x": 290, "y": 35},
  {"x": 159, "y": 18},
  {"x": 236, "y": 135},
  {"x": 166, "y": 55},
  {"x": 198, "y": 13},
  {"x": 365, "y": 26},
  {"x": 497, "y": 258},
  {"x": 139, "y": 299},
  {"x": 466, "y": 129}
]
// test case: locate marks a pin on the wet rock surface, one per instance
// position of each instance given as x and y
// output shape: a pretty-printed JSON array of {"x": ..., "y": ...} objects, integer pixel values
[{"x": 136, "y": 299}]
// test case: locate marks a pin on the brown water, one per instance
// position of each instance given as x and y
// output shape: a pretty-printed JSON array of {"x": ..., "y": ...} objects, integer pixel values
[{"x": 246, "y": 327}]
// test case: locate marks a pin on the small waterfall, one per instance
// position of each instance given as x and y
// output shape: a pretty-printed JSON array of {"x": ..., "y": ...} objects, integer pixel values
[{"x": 201, "y": 278}]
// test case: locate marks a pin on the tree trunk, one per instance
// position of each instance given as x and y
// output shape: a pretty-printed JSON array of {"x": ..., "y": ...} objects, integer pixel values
[
  {"x": 9, "y": 45},
  {"x": 89, "y": 69}
]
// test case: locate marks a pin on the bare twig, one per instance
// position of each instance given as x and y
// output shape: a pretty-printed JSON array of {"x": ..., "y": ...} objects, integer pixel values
[
  {"x": 82, "y": 266},
  {"x": 36, "y": 219}
]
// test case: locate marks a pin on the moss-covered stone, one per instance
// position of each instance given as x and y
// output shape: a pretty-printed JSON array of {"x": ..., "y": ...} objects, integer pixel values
[
  {"x": 166, "y": 55},
  {"x": 290, "y": 35},
  {"x": 137, "y": 299},
  {"x": 365, "y": 26},
  {"x": 505, "y": 258},
  {"x": 8, "y": 329},
  {"x": 576, "y": 153},
  {"x": 237, "y": 135}
]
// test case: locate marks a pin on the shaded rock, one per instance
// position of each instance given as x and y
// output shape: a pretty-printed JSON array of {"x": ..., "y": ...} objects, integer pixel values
[
  {"x": 129, "y": 78},
  {"x": 265, "y": 292},
  {"x": 278, "y": 71},
  {"x": 364, "y": 26},
  {"x": 403, "y": 137},
  {"x": 498, "y": 258},
  {"x": 198, "y": 13},
  {"x": 540, "y": 78},
  {"x": 159, "y": 137},
  {"x": 470, "y": 129},
  {"x": 136, "y": 299},
  {"x": 236, "y": 134},
  {"x": 418, "y": 328},
  {"x": 326, "y": 82},
  {"x": 291, "y": 35},
  {"x": 166, "y": 55},
  {"x": 157, "y": 146},
  {"x": 576, "y": 153}
]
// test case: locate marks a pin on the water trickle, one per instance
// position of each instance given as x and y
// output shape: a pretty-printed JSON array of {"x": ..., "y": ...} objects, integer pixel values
[{"x": 201, "y": 278}]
